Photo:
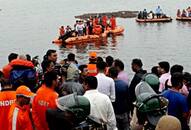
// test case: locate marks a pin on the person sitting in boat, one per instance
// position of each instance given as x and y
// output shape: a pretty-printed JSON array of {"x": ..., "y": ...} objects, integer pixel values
[
  {"x": 62, "y": 31},
  {"x": 184, "y": 14},
  {"x": 80, "y": 28},
  {"x": 189, "y": 11},
  {"x": 158, "y": 12},
  {"x": 151, "y": 15},
  {"x": 144, "y": 14},
  {"x": 140, "y": 15},
  {"x": 178, "y": 14},
  {"x": 68, "y": 29},
  {"x": 113, "y": 22}
]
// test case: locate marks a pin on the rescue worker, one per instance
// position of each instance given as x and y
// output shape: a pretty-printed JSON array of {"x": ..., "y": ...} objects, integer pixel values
[
  {"x": 97, "y": 29},
  {"x": 7, "y": 98},
  {"x": 113, "y": 22},
  {"x": 92, "y": 69},
  {"x": 19, "y": 114},
  {"x": 45, "y": 98},
  {"x": 62, "y": 31}
]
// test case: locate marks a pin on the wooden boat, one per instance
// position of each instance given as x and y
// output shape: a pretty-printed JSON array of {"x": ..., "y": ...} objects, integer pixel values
[
  {"x": 183, "y": 18},
  {"x": 117, "y": 31},
  {"x": 82, "y": 39},
  {"x": 168, "y": 19}
]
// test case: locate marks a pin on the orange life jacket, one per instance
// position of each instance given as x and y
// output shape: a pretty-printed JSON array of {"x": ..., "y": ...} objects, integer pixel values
[
  {"x": 97, "y": 29},
  {"x": 20, "y": 62},
  {"x": 113, "y": 23},
  {"x": 45, "y": 98},
  {"x": 7, "y": 98},
  {"x": 92, "y": 69},
  {"x": 6, "y": 71}
]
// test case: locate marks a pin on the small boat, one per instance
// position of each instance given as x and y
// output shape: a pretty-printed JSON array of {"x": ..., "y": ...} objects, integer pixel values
[
  {"x": 82, "y": 39},
  {"x": 168, "y": 19},
  {"x": 117, "y": 31},
  {"x": 183, "y": 18}
]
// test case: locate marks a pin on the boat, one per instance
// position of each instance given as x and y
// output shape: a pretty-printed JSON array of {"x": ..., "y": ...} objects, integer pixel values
[
  {"x": 183, "y": 18},
  {"x": 168, "y": 19},
  {"x": 82, "y": 39},
  {"x": 117, "y": 31}
]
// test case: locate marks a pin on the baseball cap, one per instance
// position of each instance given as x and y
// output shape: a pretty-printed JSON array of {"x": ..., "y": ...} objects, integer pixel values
[
  {"x": 93, "y": 55},
  {"x": 24, "y": 91}
]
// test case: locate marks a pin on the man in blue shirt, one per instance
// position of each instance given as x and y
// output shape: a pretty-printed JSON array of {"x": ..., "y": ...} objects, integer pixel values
[
  {"x": 158, "y": 12},
  {"x": 178, "y": 105}
]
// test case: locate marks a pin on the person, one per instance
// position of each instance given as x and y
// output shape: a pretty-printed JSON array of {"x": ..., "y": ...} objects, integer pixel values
[
  {"x": 45, "y": 98},
  {"x": 189, "y": 11},
  {"x": 83, "y": 72},
  {"x": 113, "y": 22},
  {"x": 140, "y": 15},
  {"x": 122, "y": 97},
  {"x": 19, "y": 115},
  {"x": 144, "y": 14},
  {"x": 178, "y": 14},
  {"x": 158, "y": 12},
  {"x": 151, "y": 15},
  {"x": 62, "y": 31},
  {"x": 7, "y": 68},
  {"x": 136, "y": 66},
  {"x": 92, "y": 69},
  {"x": 184, "y": 14},
  {"x": 106, "y": 84},
  {"x": 47, "y": 65},
  {"x": 100, "y": 104},
  {"x": 7, "y": 98},
  {"x": 109, "y": 60},
  {"x": 168, "y": 122},
  {"x": 68, "y": 29},
  {"x": 122, "y": 75},
  {"x": 177, "y": 100},
  {"x": 80, "y": 28},
  {"x": 163, "y": 70}
]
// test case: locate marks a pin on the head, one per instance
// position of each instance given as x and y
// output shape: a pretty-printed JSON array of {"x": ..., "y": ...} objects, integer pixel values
[
  {"x": 71, "y": 57},
  {"x": 23, "y": 95},
  {"x": 51, "y": 55},
  {"x": 113, "y": 73},
  {"x": 51, "y": 79},
  {"x": 83, "y": 69},
  {"x": 163, "y": 67},
  {"x": 187, "y": 79},
  {"x": 118, "y": 64},
  {"x": 92, "y": 56},
  {"x": 136, "y": 65},
  {"x": 177, "y": 80},
  {"x": 12, "y": 56},
  {"x": 176, "y": 68},
  {"x": 5, "y": 84},
  {"x": 101, "y": 66},
  {"x": 99, "y": 59},
  {"x": 154, "y": 70},
  {"x": 28, "y": 57},
  {"x": 109, "y": 60},
  {"x": 22, "y": 57},
  {"x": 90, "y": 82},
  {"x": 47, "y": 65}
]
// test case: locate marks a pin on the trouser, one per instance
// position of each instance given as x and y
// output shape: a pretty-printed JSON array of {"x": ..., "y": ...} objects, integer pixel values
[{"x": 123, "y": 122}]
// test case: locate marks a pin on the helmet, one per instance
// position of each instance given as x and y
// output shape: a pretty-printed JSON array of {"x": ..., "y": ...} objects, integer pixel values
[
  {"x": 79, "y": 105},
  {"x": 168, "y": 123}
]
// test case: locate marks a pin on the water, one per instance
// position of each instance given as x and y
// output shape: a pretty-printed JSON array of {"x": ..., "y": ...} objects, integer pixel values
[{"x": 30, "y": 26}]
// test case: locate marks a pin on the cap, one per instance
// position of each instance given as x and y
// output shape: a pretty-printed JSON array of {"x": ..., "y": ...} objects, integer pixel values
[
  {"x": 93, "y": 55},
  {"x": 168, "y": 123},
  {"x": 24, "y": 91}
]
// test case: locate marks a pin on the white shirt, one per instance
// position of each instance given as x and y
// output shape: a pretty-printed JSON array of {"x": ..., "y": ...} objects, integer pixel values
[
  {"x": 106, "y": 85},
  {"x": 101, "y": 108}
]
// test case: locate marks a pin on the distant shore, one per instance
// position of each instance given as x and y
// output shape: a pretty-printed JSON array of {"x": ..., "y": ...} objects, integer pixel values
[{"x": 119, "y": 14}]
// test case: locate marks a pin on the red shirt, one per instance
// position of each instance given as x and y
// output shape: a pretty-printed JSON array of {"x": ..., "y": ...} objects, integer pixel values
[{"x": 45, "y": 98}]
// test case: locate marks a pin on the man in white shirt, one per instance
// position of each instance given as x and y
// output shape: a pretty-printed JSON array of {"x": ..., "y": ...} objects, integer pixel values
[
  {"x": 101, "y": 106},
  {"x": 106, "y": 84}
]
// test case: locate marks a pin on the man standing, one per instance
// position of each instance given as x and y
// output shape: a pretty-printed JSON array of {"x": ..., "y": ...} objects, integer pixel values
[
  {"x": 106, "y": 84},
  {"x": 19, "y": 114},
  {"x": 101, "y": 106},
  {"x": 45, "y": 98}
]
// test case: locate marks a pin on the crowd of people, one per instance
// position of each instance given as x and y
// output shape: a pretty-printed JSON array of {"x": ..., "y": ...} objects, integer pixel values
[
  {"x": 61, "y": 95},
  {"x": 93, "y": 25},
  {"x": 151, "y": 15},
  {"x": 184, "y": 13}
]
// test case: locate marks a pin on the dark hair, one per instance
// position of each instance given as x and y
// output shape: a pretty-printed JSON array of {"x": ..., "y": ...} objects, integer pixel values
[
  {"x": 187, "y": 77},
  {"x": 12, "y": 56},
  {"x": 45, "y": 64},
  {"x": 71, "y": 57},
  {"x": 137, "y": 62},
  {"x": 119, "y": 63},
  {"x": 113, "y": 72},
  {"x": 91, "y": 81},
  {"x": 165, "y": 65},
  {"x": 49, "y": 77},
  {"x": 109, "y": 60},
  {"x": 99, "y": 59},
  {"x": 81, "y": 67},
  {"x": 48, "y": 53},
  {"x": 28, "y": 57},
  {"x": 5, "y": 82},
  {"x": 177, "y": 79},
  {"x": 176, "y": 68},
  {"x": 101, "y": 65},
  {"x": 154, "y": 70}
]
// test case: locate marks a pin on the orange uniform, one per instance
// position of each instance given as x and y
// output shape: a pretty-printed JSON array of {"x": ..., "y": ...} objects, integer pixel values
[
  {"x": 45, "y": 98},
  {"x": 113, "y": 23},
  {"x": 6, "y": 70},
  {"x": 19, "y": 118},
  {"x": 92, "y": 69},
  {"x": 7, "y": 98},
  {"x": 104, "y": 21}
]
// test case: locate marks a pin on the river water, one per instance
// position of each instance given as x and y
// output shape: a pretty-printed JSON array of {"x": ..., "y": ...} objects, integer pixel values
[{"x": 30, "y": 26}]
